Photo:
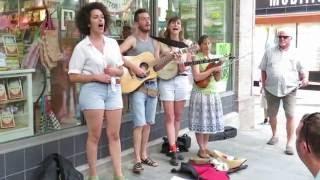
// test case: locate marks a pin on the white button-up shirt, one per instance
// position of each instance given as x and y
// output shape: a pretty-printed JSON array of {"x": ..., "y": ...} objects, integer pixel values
[
  {"x": 86, "y": 59},
  {"x": 318, "y": 176},
  {"x": 282, "y": 69}
]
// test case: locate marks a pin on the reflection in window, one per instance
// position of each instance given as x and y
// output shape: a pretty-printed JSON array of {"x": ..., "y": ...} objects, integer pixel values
[
  {"x": 217, "y": 24},
  {"x": 54, "y": 97},
  {"x": 186, "y": 9},
  {"x": 122, "y": 12}
]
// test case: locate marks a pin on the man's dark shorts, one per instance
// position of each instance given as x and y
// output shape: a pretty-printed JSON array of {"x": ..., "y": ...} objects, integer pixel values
[{"x": 289, "y": 103}]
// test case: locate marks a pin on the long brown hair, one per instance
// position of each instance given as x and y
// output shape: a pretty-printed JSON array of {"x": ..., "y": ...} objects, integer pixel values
[{"x": 167, "y": 31}]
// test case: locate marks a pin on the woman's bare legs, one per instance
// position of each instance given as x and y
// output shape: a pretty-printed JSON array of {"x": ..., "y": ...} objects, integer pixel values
[
  {"x": 94, "y": 119},
  {"x": 113, "y": 122}
]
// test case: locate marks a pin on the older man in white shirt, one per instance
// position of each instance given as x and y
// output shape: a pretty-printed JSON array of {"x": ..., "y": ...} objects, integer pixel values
[{"x": 281, "y": 74}]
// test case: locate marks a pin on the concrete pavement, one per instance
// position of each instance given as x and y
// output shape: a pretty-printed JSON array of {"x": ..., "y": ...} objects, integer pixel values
[{"x": 265, "y": 161}]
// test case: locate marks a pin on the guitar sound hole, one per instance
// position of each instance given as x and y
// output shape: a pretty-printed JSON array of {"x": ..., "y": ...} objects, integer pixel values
[{"x": 145, "y": 67}]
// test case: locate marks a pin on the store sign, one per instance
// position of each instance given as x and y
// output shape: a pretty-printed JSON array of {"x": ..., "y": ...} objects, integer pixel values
[
  {"x": 277, "y": 3},
  {"x": 112, "y": 5},
  {"x": 284, "y": 3},
  {"x": 117, "y": 6}
]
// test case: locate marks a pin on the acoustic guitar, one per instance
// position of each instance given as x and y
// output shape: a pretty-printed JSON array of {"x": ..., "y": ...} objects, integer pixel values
[
  {"x": 171, "y": 69},
  {"x": 129, "y": 81}
]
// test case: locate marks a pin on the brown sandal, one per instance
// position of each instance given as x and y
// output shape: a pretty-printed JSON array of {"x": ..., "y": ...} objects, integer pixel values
[
  {"x": 148, "y": 161},
  {"x": 203, "y": 155},
  {"x": 137, "y": 167}
]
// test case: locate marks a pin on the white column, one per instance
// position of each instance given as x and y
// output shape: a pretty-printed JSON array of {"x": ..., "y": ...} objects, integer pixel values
[{"x": 244, "y": 25}]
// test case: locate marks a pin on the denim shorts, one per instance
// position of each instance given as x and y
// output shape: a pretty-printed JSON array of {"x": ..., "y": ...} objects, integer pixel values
[
  {"x": 96, "y": 95},
  {"x": 175, "y": 89},
  {"x": 143, "y": 106}
]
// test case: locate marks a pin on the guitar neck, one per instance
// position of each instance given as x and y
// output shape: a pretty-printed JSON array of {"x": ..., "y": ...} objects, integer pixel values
[{"x": 214, "y": 60}]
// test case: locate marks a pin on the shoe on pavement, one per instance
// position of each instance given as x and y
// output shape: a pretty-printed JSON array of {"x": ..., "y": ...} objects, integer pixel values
[
  {"x": 174, "y": 159},
  {"x": 137, "y": 168},
  {"x": 203, "y": 154},
  {"x": 273, "y": 141},
  {"x": 148, "y": 161},
  {"x": 179, "y": 155},
  {"x": 119, "y": 178},
  {"x": 265, "y": 122},
  {"x": 289, "y": 150},
  {"x": 93, "y": 178}
]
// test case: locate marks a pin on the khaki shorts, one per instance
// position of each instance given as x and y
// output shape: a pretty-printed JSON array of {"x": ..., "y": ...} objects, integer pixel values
[{"x": 289, "y": 103}]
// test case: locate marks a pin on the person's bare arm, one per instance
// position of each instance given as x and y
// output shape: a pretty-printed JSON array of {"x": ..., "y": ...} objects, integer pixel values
[
  {"x": 263, "y": 78},
  {"x": 198, "y": 76},
  {"x": 163, "y": 58},
  {"x": 114, "y": 71},
  {"x": 128, "y": 44},
  {"x": 304, "y": 78}
]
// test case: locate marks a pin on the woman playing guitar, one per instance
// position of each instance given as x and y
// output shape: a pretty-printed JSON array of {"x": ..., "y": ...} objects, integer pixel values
[
  {"x": 205, "y": 108},
  {"x": 175, "y": 91}
]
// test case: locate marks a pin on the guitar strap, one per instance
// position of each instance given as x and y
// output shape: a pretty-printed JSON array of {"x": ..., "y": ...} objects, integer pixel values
[{"x": 170, "y": 42}]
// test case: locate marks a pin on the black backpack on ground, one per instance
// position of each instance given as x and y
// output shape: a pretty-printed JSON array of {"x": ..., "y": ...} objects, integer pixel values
[
  {"x": 183, "y": 143},
  {"x": 56, "y": 167}
]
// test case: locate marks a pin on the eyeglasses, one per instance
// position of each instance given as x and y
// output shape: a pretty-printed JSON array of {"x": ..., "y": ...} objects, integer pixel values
[
  {"x": 284, "y": 37},
  {"x": 306, "y": 120}
]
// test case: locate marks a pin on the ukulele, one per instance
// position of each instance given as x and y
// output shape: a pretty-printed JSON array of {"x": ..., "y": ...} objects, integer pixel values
[{"x": 217, "y": 75}]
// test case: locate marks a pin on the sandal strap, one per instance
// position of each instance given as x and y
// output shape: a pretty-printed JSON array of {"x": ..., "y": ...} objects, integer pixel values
[
  {"x": 148, "y": 161},
  {"x": 138, "y": 165}
]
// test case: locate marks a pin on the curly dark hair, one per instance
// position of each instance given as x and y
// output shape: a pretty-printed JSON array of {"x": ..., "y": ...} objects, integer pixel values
[
  {"x": 167, "y": 31},
  {"x": 83, "y": 17}
]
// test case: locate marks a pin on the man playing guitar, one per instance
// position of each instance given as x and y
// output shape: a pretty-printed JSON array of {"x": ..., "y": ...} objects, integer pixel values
[{"x": 144, "y": 99}]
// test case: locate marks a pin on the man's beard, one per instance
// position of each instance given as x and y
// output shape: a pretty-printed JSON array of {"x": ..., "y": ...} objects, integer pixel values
[{"x": 143, "y": 30}]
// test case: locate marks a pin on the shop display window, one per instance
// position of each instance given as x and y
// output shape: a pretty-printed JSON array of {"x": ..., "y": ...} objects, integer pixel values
[
  {"x": 35, "y": 94},
  {"x": 35, "y": 89},
  {"x": 217, "y": 23}
]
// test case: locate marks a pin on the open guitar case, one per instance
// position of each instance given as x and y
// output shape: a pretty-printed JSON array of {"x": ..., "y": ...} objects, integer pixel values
[{"x": 229, "y": 132}]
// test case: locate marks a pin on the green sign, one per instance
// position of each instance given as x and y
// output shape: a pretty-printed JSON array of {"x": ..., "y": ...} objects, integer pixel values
[{"x": 223, "y": 48}]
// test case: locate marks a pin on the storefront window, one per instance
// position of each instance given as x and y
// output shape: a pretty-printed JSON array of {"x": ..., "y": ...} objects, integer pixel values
[
  {"x": 217, "y": 24},
  {"x": 186, "y": 9},
  {"x": 122, "y": 12},
  {"x": 36, "y": 96}
]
